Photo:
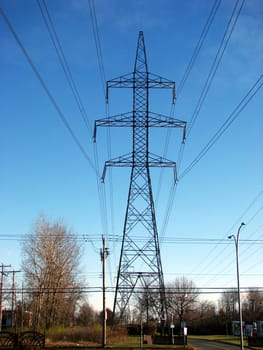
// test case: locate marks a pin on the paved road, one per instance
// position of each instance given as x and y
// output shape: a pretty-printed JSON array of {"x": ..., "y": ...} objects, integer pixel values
[{"x": 211, "y": 345}]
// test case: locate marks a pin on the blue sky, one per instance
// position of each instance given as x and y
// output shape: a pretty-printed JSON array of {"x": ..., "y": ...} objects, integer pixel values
[{"x": 43, "y": 171}]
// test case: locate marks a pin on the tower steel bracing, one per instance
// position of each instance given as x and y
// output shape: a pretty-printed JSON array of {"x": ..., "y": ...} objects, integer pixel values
[{"x": 140, "y": 260}]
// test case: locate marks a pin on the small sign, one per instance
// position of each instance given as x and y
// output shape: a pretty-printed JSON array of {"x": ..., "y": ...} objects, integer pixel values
[{"x": 171, "y": 325}]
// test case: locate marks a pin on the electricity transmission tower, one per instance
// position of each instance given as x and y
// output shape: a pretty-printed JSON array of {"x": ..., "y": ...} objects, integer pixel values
[{"x": 140, "y": 267}]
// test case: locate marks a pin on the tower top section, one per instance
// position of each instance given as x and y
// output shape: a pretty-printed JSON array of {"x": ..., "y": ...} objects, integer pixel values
[{"x": 141, "y": 60}]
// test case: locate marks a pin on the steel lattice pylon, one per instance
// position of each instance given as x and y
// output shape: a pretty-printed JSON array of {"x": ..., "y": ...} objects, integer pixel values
[{"x": 140, "y": 260}]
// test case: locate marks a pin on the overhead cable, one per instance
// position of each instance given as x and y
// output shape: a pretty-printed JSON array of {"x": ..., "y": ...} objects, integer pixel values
[
  {"x": 231, "y": 118},
  {"x": 216, "y": 62},
  {"x": 69, "y": 77},
  {"x": 49, "y": 94},
  {"x": 198, "y": 46},
  {"x": 209, "y": 263},
  {"x": 139, "y": 289},
  {"x": 101, "y": 187},
  {"x": 63, "y": 62},
  {"x": 179, "y": 90},
  {"x": 118, "y": 239},
  {"x": 96, "y": 35}
]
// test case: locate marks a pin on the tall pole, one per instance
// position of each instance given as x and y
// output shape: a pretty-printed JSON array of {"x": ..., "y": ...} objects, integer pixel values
[
  {"x": 22, "y": 308},
  {"x": 236, "y": 240},
  {"x": 104, "y": 253},
  {"x": 13, "y": 296},
  {"x": 3, "y": 273}
]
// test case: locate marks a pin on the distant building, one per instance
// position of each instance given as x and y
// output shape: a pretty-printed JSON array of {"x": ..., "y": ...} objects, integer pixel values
[
  {"x": 259, "y": 328},
  {"x": 255, "y": 329}
]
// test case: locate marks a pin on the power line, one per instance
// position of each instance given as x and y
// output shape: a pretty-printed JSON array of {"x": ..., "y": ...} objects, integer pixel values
[
  {"x": 216, "y": 62},
  {"x": 198, "y": 46},
  {"x": 96, "y": 35},
  {"x": 210, "y": 77},
  {"x": 138, "y": 289},
  {"x": 118, "y": 239},
  {"x": 219, "y": 254},
  {"x": 206, "y": 87},
  {"x": 231, "y": 118},
  {"x": 101, "y": 187},
  {"x": 49, "y": 94},
  {"x": 60, "y": 53},
  {"x": 240, "y": 219},
  {"x": 63, "y": 61}
]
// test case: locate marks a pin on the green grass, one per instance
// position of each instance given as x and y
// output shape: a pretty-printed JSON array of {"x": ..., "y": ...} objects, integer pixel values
[
  {"x": 130, "y": 342},
  {"x": 222, "y": 338},
  {"x": 134, "y": 342}
]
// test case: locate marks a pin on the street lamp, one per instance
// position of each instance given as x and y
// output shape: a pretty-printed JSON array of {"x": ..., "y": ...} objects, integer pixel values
[{"x": 236, "y": 239}]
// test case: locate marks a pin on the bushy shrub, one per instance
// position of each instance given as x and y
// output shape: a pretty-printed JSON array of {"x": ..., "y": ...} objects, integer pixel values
[
  {"x": 134, "y": 329},
  {"x": 76, "y": 334},
  {"x": 149, "y": 328}
]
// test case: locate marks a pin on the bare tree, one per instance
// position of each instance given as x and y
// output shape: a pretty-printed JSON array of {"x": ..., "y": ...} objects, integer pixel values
[
  {"x": 253, "y": 305},
  {"x": 228, "y": 308},
  {"x": 147, "y": 303},
  {"x": 50, "y": 263},
  {"x": 181, "y": 298},
  {"x": 87, "y": 316}
]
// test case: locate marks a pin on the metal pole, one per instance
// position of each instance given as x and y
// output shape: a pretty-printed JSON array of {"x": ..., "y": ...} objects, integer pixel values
[
  {"x": 104, "y": 253},
  {"x": 236, "y": 240}
]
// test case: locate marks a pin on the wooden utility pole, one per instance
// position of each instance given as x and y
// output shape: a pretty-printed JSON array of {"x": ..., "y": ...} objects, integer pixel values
[
  {"x": 13, "y": 296},
  {"x": 103, "y": 254},
  {"x": 3, "y": 273}
]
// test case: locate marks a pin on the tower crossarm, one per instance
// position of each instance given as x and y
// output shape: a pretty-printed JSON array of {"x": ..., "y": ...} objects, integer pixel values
[
  {"x": 127, "y": 161},
  {"x": 163, "y": 121},
  {"x": 119, "y": 120},
  {"x": 127, "y": 120},
  {"x": 130, "y": 80},
  {"x": 157, "y": 82},
  {"x": 159, "y": 120}
]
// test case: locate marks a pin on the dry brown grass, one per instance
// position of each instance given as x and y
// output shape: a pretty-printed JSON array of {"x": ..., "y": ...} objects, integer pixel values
[{"x": 84, "y": 336}]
